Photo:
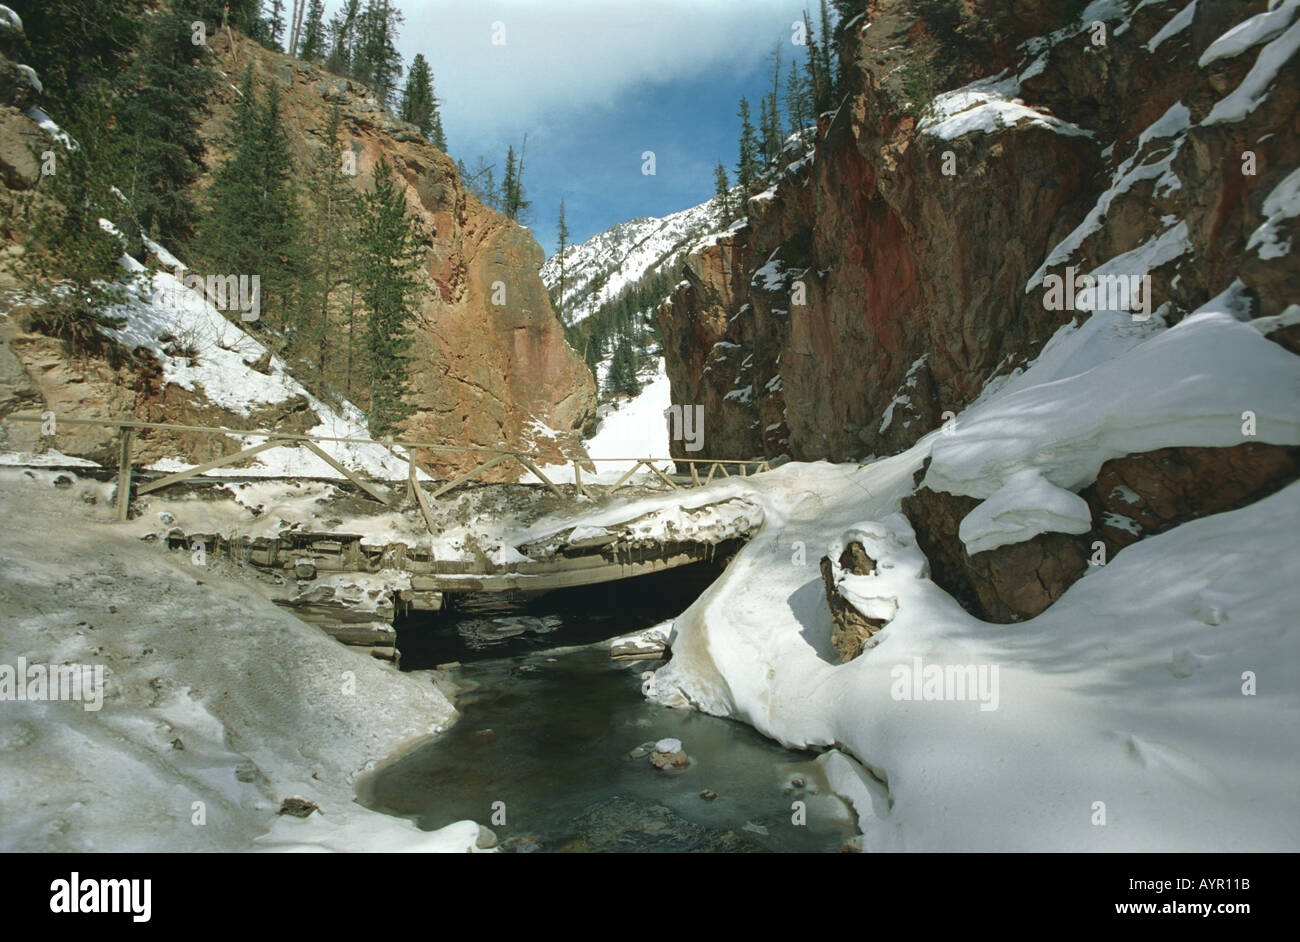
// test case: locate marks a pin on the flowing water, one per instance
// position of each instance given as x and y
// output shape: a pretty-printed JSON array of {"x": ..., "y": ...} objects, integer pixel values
[{"x": 548, "y": 726}]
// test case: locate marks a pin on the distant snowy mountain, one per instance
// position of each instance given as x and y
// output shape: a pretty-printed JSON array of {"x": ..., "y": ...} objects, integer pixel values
[{"x": 596, "y": 271}]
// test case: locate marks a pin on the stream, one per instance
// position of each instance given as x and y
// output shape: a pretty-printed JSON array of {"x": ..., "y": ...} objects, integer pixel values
[{"x": 542, "y": 752}]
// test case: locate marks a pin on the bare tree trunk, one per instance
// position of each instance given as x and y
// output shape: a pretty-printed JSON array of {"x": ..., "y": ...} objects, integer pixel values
[{"x": 295, "y": 28}]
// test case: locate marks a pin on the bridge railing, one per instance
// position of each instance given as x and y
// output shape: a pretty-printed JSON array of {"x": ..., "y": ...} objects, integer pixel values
[{"x": 403, "y": 450}]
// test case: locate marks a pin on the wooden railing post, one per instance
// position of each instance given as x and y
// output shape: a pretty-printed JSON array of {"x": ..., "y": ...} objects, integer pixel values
[{"x": 124, "y": 476}]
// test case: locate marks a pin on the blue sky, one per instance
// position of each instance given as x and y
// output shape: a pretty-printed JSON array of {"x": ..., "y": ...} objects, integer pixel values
[{"x": 595, "y": 83}]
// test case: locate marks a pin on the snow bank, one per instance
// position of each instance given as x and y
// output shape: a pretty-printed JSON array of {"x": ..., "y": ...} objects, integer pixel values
[
  {"x": 1127, "y": 692},
  {"x": 1173, "y": 393},
  {"x": 217, "y": 704},
  {"x": 1025, "y": 506}
]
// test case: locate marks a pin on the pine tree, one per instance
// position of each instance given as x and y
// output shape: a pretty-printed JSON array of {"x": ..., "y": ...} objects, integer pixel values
[
  {"x": 818, "y": 91},
  {"x": 622, "y": 369},
  {"x": 389, "y": 257},
  {"x": 275, "y": 25},
  {"x": 294, "y": 37},
  {"x": 330, "y": 243},
  {"x": 343, "y": 37},
  {"x": 252, "y": 225},
  {"x": 766, "y": 145},
  {"x": 419, "y": 107},
  {"x": 722, "y": 194},
  {"x": 748, "y": 167},
  {"x": 510, "y": 184},
  {"x": 513, "y": 203},
  {"x": 162, "y": 114},
  {"x": 75, "y": 44},
  {"x": 825, "y": 89},
  {"x": 562, "y": 233},
  {"x": 847, "y": 11},
  {"x": 481, "y": 181},
  {"x": 771, "y": 125},
  {"x": 797, "y": 106},
  {"x": 243, "y": 15},
  {"x": 375, "y": 59},
  {"x": 595, "y": 349},
  {"x": 312, "y": 47},
  {"x": 438, "y": 137}
]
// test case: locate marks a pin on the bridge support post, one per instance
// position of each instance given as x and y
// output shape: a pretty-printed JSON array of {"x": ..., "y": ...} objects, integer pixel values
[
  {"x": 577, "y": 478},
  {"x": 414, "y": 483},
  {"x": 523, "y": 460},
  {"x": 124, "y": 475},
  {"x": 631, "y": 471},
  {"x": 665, "y": 478}
]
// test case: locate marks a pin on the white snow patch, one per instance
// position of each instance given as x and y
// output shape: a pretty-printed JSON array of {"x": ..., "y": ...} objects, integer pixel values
[
  {"x": 1261, "y": 27},
  {"x": 1282, "y": 202},
  {"x": 986, "y": 106},
  {"x": 1173, "y": 395},
  {"x": 1253, "y": 89},
  {"x": 1026, "y": 505},
  {"x": 1180, "y": 22}
]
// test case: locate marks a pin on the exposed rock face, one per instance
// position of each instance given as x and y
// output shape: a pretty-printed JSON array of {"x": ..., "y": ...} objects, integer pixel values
[
  {"x": 850, "y": 629},
  {"x": 21, "y": 140},
  {"x": 914, "y": 281},
  {"x": 1133, "y": 497},
  {"x": 20, "y": 143},
  {"x": 481, "y": 371},
  {"x": 1141, "y": 495}
]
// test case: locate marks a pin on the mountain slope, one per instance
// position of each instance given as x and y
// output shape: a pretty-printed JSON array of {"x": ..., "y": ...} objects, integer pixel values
[{"x": 596, "y": 271}]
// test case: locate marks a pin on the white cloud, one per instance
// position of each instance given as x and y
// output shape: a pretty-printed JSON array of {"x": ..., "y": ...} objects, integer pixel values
[{"x": 562, "y": 58}]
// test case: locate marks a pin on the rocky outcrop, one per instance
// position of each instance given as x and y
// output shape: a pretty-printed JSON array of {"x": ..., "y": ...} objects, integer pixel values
[
  {"x": 1133, "y": 497},
  {"x": 851, "y": 630},
  {"x": 1141, "y": 495},
  {"x": 21, "y": 139},
  {"x": 1006, "y": 584},
  {"x": 881, "y": 283}
]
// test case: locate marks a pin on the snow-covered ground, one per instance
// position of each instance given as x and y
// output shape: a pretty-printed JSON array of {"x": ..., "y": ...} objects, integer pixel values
[
  {"x": 161, "y": 306},
  {"x": 635, "y": 427},
  {"x": 217, "y": 704}
]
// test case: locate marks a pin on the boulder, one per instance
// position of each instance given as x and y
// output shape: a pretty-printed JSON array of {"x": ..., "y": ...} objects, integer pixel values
[
  {"x": 1010, "y": 583},
  {"x": 851, "y": 631},
  {"x": 1133, "y": 497},
  {"x": 21, "y": 143}
]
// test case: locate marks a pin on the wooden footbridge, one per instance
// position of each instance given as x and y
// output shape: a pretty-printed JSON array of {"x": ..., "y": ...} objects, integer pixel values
[
  {"x": 306, "y": 558},
  {"x": 405, "y": 451}
]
